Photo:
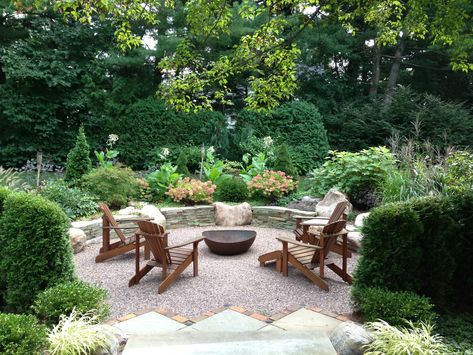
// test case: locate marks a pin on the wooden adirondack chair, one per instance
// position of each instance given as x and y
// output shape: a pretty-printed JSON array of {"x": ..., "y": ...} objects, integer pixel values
[
  {"x": 306, "y": 257},
  {"x": 169, "y": 258},
  {"x": 303, "y": 223},
  {"x": 124, "y": 244}
]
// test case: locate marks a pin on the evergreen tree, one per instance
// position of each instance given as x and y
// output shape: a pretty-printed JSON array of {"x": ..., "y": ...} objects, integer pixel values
[
  {"x": 284, "y": 161},
  {"x": 78, "y": 159},
  {"x": 182, "y": 163}
]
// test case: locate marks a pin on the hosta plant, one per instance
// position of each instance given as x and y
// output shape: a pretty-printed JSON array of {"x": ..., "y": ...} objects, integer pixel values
[
  {"x": 192, "y": 191},
  {"x": 272, "y": 184}
]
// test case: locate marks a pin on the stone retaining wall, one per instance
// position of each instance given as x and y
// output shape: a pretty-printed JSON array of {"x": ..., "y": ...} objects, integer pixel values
[
  {"x": 263, "y": 216},
  {"x": 180, "y": 217}
]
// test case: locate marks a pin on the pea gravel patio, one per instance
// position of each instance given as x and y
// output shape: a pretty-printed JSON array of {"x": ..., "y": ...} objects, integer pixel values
[{"x": 222, "y": 281}]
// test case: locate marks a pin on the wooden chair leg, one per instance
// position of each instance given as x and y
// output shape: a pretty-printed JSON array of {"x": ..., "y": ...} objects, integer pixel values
[
  {"x": 309, "y": 274},
  {"x": 195, "y": 259},
  {"x": 136, "y": 279},
  {"x": 173, "y": 275},
  {"x": 344, "y": 276},
  {"x": 284, "y": 259}
]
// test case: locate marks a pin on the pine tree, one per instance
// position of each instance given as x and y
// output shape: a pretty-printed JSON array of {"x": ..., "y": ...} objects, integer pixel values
[
  {"x": 78, "y": 160},
  {"x": 284, "y": 161},
  {"x": 182, "y": 164}
]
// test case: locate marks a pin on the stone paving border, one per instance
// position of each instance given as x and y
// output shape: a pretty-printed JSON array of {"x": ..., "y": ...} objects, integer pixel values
[{"x": 255, "y": 315}]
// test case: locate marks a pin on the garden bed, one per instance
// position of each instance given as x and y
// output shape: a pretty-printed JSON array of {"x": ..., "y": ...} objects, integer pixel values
[{"x": 236, "y": 280}]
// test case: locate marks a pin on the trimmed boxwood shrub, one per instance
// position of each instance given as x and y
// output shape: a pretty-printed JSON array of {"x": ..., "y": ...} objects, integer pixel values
[
  {"x": 298, "y": 124},
  {"x": 63, "y": 298},
  {"x": 21, "y": 334},
  {"x": 423, "y": 245},
  {"x": 115, "y": 186},
  {"x": 35, "y": 251},
  {"x": 232, "y": 190},
  {"x": 392, "y": 307}
]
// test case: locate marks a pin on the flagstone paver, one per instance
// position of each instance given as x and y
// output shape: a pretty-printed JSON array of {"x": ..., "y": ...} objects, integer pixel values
[
  {"x": 304, "y": 319},
  {"x": 149, "y": 323},
  {"x": 229, "y": 321}
]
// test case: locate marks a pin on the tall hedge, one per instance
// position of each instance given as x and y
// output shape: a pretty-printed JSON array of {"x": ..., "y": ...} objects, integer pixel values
[
  {"x": 424, "y": 246},
  {"x": 148, "y": 125},
  {"x": 35, "y": 251},
  {"x": 298, "y": 124}
]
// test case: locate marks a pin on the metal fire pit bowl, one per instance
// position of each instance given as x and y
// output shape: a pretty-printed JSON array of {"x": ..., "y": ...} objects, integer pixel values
[{"x": 229, "y": 242}]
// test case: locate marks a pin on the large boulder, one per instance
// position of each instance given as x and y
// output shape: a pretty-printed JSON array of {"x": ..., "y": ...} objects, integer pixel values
[
  {"x": 360, "y": 219},
  {"x": 354, "y": 240},
  {"x": 153, "y": 212},
  {"x": 116, "y": 341},
  {"x": 325, "y": 207},
  {"x": 348, "y": 338},
  {"x": 307, "y": 203},
  {"x": 239, "y": 215},
  {"x": 78, "y": 239}
]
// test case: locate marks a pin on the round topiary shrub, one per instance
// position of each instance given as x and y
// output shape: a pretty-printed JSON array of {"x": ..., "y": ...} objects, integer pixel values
[
  {"x": 78, "y": 160},
  {"x": 393, "y": 307},
  {"x": 21, "y": 334},
  {"x": 232, "y": 190},
  {"x": 63, "y": 298},
  {"x": 115, "y": 186},
  {"x": 35, "y": 251}
]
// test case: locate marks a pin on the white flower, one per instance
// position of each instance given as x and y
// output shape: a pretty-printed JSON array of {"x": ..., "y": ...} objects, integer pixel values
[
  {"x": 267, "y": 141},
  {"x": 165, "y": 152},
  {"x": 112, "y": 138},
  {"x": 211, "y": 150}
]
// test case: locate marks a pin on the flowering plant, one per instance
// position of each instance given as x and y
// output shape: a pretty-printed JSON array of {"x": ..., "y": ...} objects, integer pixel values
[
  {"x": 272, "y": 184},
  {"x": 192, "y": 191}
]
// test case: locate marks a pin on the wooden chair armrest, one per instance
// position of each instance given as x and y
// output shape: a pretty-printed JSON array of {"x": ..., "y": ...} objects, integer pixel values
[
  {"x": 295, "y": 242},
  {"x": 195, "y": 240},
  {"x": 342, "y": 232},
  {"x": 304, "y": 217},
  {"x": 110, "y": 227},
  {"x": 165, "y": 234}
]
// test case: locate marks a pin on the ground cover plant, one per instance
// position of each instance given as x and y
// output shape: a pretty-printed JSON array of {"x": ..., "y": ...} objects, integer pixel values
[{"x": 21, "y": 334}]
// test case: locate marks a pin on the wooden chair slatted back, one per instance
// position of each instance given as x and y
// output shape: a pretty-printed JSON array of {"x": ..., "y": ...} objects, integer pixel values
[
  {"x": 329, "y": 235},
  {"x": 107, "y": 214},
  {"x": 338, "y": 212},
  {"x": 156, "y": 241}
]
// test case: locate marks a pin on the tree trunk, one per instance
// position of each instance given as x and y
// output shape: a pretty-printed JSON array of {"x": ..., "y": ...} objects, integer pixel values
[
  {"x": 395, "y": 69},
  {"x": 376, "y": 70}
]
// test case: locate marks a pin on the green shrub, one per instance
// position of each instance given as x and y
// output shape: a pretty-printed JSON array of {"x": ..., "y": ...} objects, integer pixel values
[
  {"x": 4, "y": 192},
  {"x": 115, "y": 186},
  {"x": 74, "y": 201},
  {"x": 353, "y": 172},
  {"x": 21, "y": 334},
  {"x": 232, "y": 190},
  {"x": 35, "y": 251},
  {"x": 298, "y": 124},
  {"x": 459, "y": 171},
  {"x": 181, "y": 164},
  {"x": 63, "y": 298},
  {"x": 283, "y": 161},
  {"x": 392, "y": 307},
  {"x": 78, "y": 160},
  {"x": 457, "y": 330},
  {"x": 423, "y": 245},
  {"x": 411, "y": 340}
]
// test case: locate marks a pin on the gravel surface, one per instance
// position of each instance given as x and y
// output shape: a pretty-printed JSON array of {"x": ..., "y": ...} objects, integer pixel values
[{"x": 223, "y": 280}]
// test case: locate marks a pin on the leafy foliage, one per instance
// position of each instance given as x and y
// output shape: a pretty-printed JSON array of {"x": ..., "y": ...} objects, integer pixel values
[
  {"x": 78, "y": 334},
  {"x": 430, "y": 237},
  {"x": 299, "y": 124},
  {"x": 412, "y": 340},
  {"x": 78, "y": 160},
  {"x": 353, "y": 172},
  {"x": 457, "y": 330},
  {"x": 232, "y": 190},
  {"x": 21, "y": 334},
  {"x": 4, "y": 192},
  {"x": 115, "y": 186},
  {"x": 64, "y": 298},
  {"x": 74, "y": 201},
  {"x": 283, "y": 161},
  {"x": 271, "y": 184},
  {"x": 393, "y": 307},
  {"x": 181, "y": 164},
  {"x": 35, "y": 251},
  {"x": 160, "y": 180}
]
